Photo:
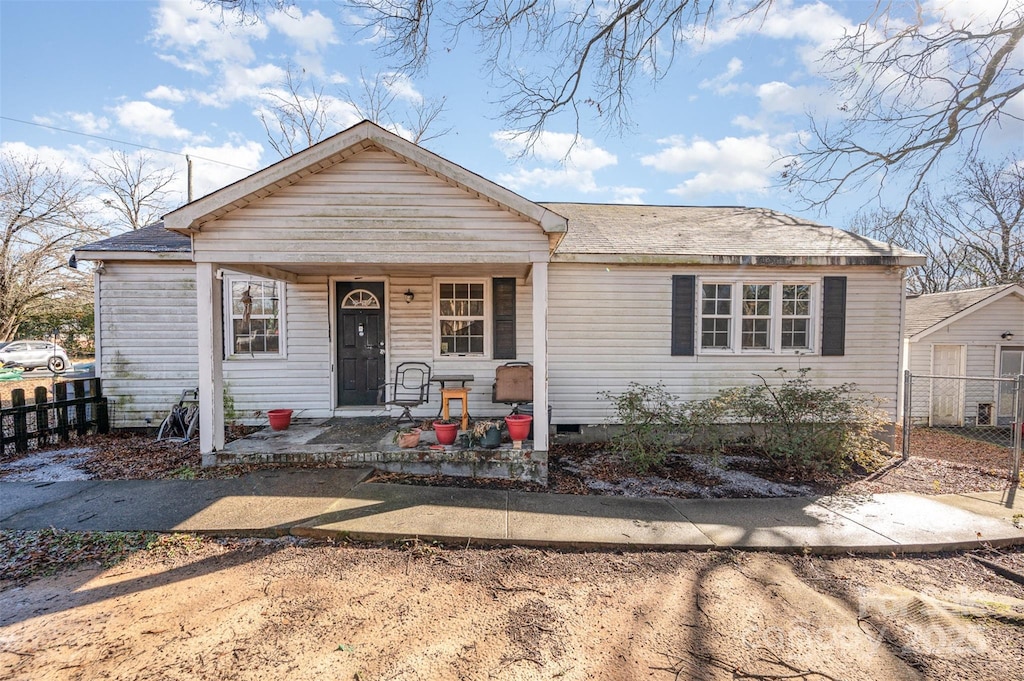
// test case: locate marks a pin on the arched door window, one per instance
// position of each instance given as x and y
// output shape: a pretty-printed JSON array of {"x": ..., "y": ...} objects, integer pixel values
[{"x": 360, "y": 299}]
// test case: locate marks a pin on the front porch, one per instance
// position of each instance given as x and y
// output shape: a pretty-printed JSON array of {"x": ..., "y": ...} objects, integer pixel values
[{"x": 362, "y": 441}]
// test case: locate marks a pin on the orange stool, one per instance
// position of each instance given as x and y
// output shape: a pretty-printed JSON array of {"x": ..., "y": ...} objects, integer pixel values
[{"x": 456, "y": 394}]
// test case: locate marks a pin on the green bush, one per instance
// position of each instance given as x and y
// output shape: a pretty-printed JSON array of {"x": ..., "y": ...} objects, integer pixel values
[
  {"x": 799, "y": 426},
  {"x": 649, "y": 416}
]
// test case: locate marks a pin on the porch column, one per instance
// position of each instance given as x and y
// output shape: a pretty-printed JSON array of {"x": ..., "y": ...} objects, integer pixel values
[
  {"x": 540, "y": 356},
  {"x": 211, "y": 363}
]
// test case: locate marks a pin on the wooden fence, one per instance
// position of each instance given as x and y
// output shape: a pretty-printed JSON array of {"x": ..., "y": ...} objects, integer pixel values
[{"x": 46, "y": 421}]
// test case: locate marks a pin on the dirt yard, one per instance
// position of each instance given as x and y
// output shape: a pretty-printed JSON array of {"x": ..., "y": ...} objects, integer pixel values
[{"x": 201, "y": 609}]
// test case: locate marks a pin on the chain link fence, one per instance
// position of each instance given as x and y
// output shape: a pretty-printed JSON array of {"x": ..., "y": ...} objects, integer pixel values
[{"x": 977, "y": 410}]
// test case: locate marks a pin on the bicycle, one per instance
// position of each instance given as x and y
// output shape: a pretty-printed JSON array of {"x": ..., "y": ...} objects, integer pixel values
[{"x": 182, "y": 423}]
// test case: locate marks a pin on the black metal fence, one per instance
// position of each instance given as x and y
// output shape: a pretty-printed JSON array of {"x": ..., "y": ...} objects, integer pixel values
[{"x": 77, "y": 407}]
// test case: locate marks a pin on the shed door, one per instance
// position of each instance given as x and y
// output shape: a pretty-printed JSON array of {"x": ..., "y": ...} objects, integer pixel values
[
  {"x": 1011, "y": 365},
  {"x": 361, "y": 351},
  {"x": 947, "y": 394}
]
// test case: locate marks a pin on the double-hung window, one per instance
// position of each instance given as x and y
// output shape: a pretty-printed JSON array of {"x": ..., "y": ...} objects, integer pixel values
[
  {"x": 255, "y": 312},
  {"x": 462, "y": 317},
  {"x": 756, "y": 316}
]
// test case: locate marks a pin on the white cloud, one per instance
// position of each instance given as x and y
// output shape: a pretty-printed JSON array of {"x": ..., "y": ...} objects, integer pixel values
[
  {"x": 740, "y": 165},
  {"x": 90, "y": 123},
  {"x": 240, "y": 82},
  {"x": 196, "y": 35},
  {"x": 723, "y": 84},
  {"x": 779, "y": 97},
  {"x": 149, "y": 119},
  {"x": 311, "y": 32},
  {"x": 401, "y": 86},
  {"x": 167, "y": 94},
  {"x": 208, "y": 177},
  {"x": 568, "y": 163},
  {"x": 569, "y": 150}
]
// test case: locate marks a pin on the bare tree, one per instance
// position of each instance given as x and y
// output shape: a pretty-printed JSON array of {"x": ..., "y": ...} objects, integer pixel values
[
  {"x": 298, "y": 116},
  {"x": 377, "y": 102},
  {"x": 44, "y": 218},
  {"x": 987, "y": 213},
  {"x": 911, "y": 94},
  {"x": 972, "y": 237},
  {"x": 132, "y": 187}
]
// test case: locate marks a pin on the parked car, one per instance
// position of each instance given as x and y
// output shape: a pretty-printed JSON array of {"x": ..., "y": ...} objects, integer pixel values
[{"x": 33, "y": 354}]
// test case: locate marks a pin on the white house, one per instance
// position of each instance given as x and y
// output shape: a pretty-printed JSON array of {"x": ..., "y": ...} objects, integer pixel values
[
  {"x": 306, "y": 283},
  {"x": 976, "y": 332}
]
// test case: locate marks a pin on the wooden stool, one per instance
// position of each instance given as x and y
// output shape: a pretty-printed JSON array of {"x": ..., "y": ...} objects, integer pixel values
[{"x": 456, "y": 394}]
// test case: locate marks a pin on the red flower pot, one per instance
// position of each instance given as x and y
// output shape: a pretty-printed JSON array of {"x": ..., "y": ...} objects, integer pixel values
[
  {"x": 280, "y": 419},
  {"x": 446, "y": 432},
  {"x": 518, "y": 426}
]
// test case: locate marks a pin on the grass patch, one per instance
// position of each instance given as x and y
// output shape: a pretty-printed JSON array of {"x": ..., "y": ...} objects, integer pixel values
[{"x": 30, "y": 554}]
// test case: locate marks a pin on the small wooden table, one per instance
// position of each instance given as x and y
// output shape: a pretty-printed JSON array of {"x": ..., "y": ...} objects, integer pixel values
[{"x": 453, "y": 393}]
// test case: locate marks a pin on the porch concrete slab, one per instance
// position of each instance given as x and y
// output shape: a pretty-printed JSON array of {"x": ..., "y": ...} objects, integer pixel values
[
  {"x": 381, "y": 511},
  {"x": 17, "y": 497},
  {"x": 567, "y": 520},
  {"x": 917, "y": 523},
  {"x": 1001, "y": 505},
  {"x": 784, "y": 524}
]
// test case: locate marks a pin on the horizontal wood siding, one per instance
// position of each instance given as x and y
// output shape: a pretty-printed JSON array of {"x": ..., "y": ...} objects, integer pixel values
[
  {"x": 147, "y": 328},
  {"x": 412, "y": 339},
  {"x": 371, "y": 208},
  {"x": 612, "y": 326},
  {"x": 301, "y": 381}
]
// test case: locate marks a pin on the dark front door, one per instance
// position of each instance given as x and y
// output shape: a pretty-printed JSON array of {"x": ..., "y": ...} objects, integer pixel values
[{"x": 361, "y": 358}]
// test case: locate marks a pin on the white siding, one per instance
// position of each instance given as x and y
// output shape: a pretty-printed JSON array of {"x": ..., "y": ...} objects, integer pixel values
[
  {"x": 612, "y": 326},
  {"x": 147, "y": 327},
  {"x": 979, "y": 333},
  {"x": 370, "y": 208},
  {"x": 148, "y": 336}
]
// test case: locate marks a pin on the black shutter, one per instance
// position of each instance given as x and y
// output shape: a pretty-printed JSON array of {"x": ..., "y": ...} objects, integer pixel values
[
  {"x": 833, "y": 316},
  {"x": 503, "y": 300},
  {"x": 683, "y": 296}
]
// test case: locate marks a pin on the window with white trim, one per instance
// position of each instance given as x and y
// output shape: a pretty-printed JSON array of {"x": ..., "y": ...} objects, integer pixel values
[
  {"x": 255, "y": 314},
  {"x": 462, "y": 317},
  {"x": 756, "y": 316}
]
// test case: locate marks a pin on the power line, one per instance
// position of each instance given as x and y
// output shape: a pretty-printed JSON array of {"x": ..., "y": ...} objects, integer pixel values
[{"x": 131, "y": 144}]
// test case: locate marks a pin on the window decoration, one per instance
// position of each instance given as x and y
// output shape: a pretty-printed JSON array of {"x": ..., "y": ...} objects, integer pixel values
[
  {"x": 255, "y": 316},
  {"x": 461, "y": 318},
  {"x": 360, "y": 299}
]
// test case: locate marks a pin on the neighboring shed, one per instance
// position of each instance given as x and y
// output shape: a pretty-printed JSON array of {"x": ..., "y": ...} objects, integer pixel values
[
  {"x": 307, "y": 283},
  {"x": 975, "y": 332}
]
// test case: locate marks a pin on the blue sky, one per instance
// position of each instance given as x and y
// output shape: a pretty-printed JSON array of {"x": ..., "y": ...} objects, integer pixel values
[{"x": 170, "y": 76}]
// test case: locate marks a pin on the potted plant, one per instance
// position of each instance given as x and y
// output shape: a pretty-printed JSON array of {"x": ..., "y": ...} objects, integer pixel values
[
  {"x": 407, "y": 438},
  {"x": 280, "y": 419},
  {"x": 446, "y": 431},
  {"x": 487, "y": 433}
]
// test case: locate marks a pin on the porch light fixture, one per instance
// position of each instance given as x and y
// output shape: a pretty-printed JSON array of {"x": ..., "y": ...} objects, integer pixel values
[
  {"x": 1007, "y": 335},
  {"x": 409, "y": 296}
]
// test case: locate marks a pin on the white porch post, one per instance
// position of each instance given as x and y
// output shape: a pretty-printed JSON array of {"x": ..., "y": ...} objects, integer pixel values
[
  {"x": 211, "y": 365},
  {"x": 540, "y": 356}
]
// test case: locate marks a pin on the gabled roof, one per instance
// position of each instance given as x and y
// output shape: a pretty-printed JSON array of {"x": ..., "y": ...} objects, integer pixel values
[
  {"x": 712, "y": 235},
  {"x": 153, "y": 238},
  {"x": 359, "y": 137},
  {"x": 930, "y": 312}
]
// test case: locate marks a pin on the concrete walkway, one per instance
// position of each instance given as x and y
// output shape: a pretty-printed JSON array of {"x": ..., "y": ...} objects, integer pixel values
[{"x": 337, "y": 503}]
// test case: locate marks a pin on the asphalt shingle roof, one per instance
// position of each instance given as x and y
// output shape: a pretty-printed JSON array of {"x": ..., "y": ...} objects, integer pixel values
[
  {"x": 924, "y": 312},
  {"x": 729, "y": 233},
  {"x": 151, "y": 239}
]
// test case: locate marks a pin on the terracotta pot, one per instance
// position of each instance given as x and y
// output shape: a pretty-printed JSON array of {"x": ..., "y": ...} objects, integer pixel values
[
  {"x": 280, "y": 419},
  {"x": 410, "y": 439},
  {"x": 446, "y": 432},
  {"x": 518, "y": 426}
]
